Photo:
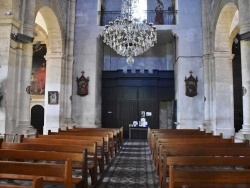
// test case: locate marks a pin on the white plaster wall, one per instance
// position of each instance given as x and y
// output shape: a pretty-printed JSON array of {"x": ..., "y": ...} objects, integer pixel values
[
  {"x": 85, "y": 109},
  {"x": 190, "y": 110}
]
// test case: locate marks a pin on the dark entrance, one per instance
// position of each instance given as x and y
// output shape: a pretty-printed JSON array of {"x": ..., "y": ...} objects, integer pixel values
[
  {"x": 127, "y": 97},
  {"x": 237, "y": 83},
  {"x": 37, "y": 118}
]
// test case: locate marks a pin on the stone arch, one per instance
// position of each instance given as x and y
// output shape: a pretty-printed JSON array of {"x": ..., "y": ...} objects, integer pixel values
[
  {"x": 223, "y": 30},
  {"x": 223, "y": 27},
  {"x": 216, "y": 16},
  {"x": 55, "y": 42},
  {"x": 55, "y": 20}
]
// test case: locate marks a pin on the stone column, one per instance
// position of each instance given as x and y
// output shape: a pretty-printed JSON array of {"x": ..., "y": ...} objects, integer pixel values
[
  {"x": 86, "y": 111},
  {"x": 206, "y": 68},
  {"x": 245, "y": 56},
  {"x": 244, "y": 24},
  {"x": 8, "y": 75},
  {"x": 207, "y": 94},
  {"x": 69, "y": 66},
  {"x": 23, "y": 125},
  {"x": 53, "y": 112},
  {"x": 222, "y": 94}
]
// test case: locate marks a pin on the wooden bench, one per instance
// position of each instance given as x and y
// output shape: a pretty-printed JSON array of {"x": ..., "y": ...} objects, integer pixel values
[
  {"x": 197, "y": 151},
  {"x": 188, "y": 140},
  {"x": 36, "y": 182},
  {"x": 109, "y": 142},
  {"x": 48, "y": 156},
  {"x": 56, "y": 173},
  {"x": 157, "y": 136},
  {"x": 164, "y": 147},
  {"x": 92, "y": 167},
  {"x": 152, "y": 132},
  {"x": 118, "y": 132},
  {"x": 99, "y": 141},
  {"x": 92, "y": 155},
  {"x": 216, "y": 171},
  {"x": 95, "y": 132}
]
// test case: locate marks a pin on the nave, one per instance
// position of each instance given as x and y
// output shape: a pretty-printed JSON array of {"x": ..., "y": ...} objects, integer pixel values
[
  {"x": 169, "y": 158},
  {"x": 132, "y": 167}
]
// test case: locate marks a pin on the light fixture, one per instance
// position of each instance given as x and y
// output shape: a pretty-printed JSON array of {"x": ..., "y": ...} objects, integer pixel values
[{"x": 128, "y": 36}]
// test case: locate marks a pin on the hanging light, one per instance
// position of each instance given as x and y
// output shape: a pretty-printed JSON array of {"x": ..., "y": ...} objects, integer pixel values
[{"x": 127, "y": 36}]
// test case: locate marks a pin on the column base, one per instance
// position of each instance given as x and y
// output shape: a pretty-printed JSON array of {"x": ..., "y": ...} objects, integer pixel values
[
  {"x": 68, "y": 122},
  {"x": 25, "y": 129},
  {"x": 207, "y": 126},
  {"x": 243, "y": 134}
]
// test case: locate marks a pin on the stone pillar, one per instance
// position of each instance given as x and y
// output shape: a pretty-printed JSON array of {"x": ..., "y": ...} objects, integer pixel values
[
  {"x": 244, "y": 24},
  {"x": 206, "y": 68},
  {"x": 245, "y": 56},
  {"x": 222, "y": 94},
  {"x": 207, "y": 94},
  {"x": 8, "y": 75},
  {"x": 54, "y": 73},
  {"x": 69, "y": 66},
  {"x": 23, "y": 125},
  {"x": 86, "y": 110}
]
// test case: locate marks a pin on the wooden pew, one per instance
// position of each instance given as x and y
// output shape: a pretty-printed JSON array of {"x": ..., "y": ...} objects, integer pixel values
[
  {"x": 97, "y": 132},
  {"x": 208, "y": 176},
  {"x": 99, "y": 140},
  {"x": 188, "y": 139},
  {"x": 61, "y": 148},
  {"x": 152, "y": 132},
  {"x": 57, "y": 173},
  {"x": 36, "y": 182},
  {"x": 91, "y": 155},
  {"x": 197, "y": 151},
  {"x": 164, "y": 147},
  {"x": 109, "y": 142},
  {"x": 45, "y": 156},
  {"x": 118, "y": 132},
  {"x": 159, "y": 139}
]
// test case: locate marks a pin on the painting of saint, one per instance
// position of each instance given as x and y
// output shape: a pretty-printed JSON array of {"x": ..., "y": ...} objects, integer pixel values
[{"x": 38, "y": 76}]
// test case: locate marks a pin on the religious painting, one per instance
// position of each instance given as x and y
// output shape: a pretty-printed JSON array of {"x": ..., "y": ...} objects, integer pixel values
[
  {"x": 53, "y": 97},
  {"x": 38, "y": 75},
  {"x": 82, "y": 85},
  {"x": 191, "y": 85}
]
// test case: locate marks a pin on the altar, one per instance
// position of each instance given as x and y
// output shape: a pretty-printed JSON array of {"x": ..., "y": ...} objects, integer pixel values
[{"x": 138, "y": 132}]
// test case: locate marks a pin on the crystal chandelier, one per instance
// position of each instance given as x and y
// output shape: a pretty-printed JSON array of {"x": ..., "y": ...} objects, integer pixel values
[{"x": 127, "y": 36}]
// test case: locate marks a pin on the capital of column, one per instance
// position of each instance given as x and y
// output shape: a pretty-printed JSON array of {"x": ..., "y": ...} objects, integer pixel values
[
  {"x": 70, "y": 58},
  {"x": 54, "y": 56},
  {"x": 217, "y": 54},
  {"x": 10, "y": 20}
]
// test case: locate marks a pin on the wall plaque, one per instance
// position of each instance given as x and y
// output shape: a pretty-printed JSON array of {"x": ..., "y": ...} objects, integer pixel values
[
  {"x": 191, "y": 85},
  {"x": 82, "y": 85}
]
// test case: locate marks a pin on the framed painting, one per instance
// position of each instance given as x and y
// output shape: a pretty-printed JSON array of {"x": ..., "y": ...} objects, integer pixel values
[{"x": 53, "y": 97}]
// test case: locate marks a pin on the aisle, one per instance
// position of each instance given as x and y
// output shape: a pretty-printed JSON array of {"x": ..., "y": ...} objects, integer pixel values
[{"x": 132, "y": 167}]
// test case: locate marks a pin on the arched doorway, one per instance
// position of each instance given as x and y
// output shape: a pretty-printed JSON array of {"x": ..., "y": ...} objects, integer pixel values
[
  {"x": 37, "y": 118},
  {"x": 222, "y": 84},
  {"x": 237, "y": 82}
]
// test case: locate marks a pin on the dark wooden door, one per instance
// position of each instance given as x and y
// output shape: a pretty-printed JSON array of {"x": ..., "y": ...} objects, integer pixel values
[
  {"x": 132, "y": 101},
  {"x": 125, "y": 96}
]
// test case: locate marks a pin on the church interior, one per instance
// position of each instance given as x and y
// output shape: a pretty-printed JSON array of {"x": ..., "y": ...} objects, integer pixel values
[{"x": 138, "y": 79}]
